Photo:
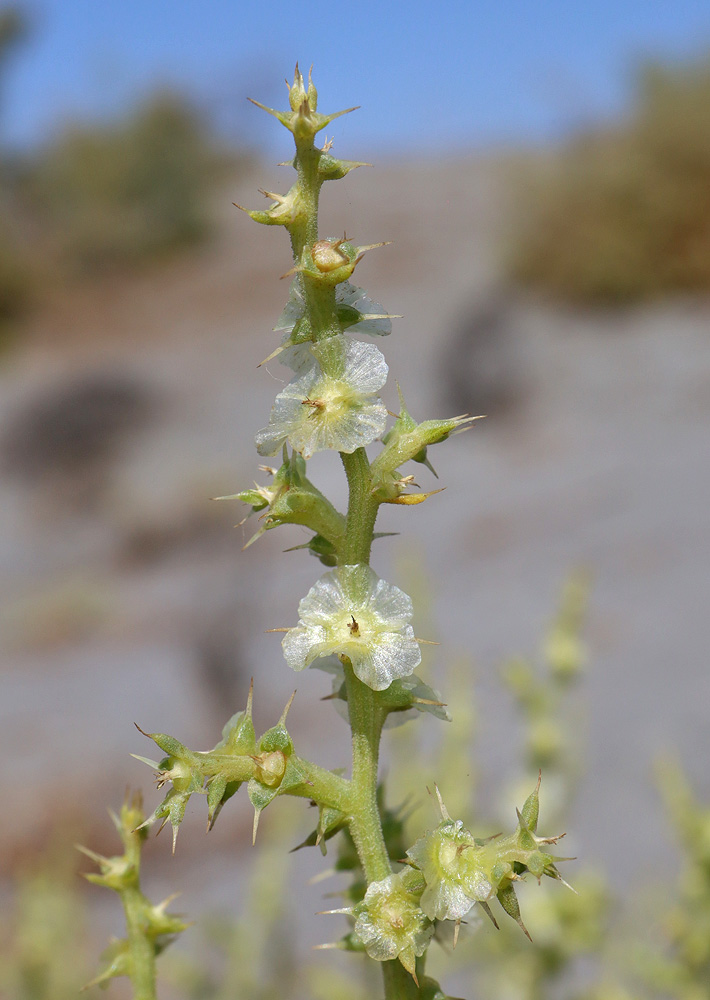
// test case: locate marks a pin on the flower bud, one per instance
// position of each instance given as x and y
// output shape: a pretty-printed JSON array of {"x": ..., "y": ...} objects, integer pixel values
[
  {"x": 460, "y": 870},
  {"x": 292, "y": 499},
  {"x": 332, "y": 169},
  {"x": 302, "y": 120},
  {"x": 330, "y": 262},
  {"x": 149, "y": 924},
  {"x": 277, "y": 767},
  {"x": 287, "y": 209},
  {"x": 297, "y": 92},
  {"x": 409, "y": 440},
  {"x": 116, "y": 873}
]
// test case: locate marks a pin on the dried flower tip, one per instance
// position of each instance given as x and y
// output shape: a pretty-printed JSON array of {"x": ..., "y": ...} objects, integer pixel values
[{"x": 327, "y": 255}]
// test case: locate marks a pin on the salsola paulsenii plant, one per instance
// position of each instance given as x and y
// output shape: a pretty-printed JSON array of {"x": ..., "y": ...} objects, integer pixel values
[{"x": 351, "y": 623}]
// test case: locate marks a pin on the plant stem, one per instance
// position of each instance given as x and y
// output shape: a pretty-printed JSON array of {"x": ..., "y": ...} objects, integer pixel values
[
  {"x": 321, "y": 785},
  {"x": 362, "y": 509},
  {"x": 367, "y": 719},
  {"x": 142, "y": 950},
  {"x": 366, "y": 714},
  {"x": 399, "y": 985}
]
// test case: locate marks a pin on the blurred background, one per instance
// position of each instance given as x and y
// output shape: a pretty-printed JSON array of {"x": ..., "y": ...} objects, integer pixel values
[{"x": 544, "y": 172}]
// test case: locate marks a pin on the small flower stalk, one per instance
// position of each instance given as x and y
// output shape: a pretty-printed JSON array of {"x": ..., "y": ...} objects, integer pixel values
[
  {"x": 352, "y": 624},
  {"x": 150, "y": 928}
]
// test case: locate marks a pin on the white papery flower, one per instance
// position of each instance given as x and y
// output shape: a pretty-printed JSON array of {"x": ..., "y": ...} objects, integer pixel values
[
  {"x": 331, "y": 404},
  {"x": 350, "y": 611}
]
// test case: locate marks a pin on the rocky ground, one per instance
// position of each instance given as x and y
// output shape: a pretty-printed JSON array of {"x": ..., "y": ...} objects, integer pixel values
[{"x": 125, "y": 593}]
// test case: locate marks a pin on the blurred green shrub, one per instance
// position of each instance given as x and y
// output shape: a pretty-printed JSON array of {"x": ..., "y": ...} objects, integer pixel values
[
  {"x": 677, "y": 962},
  {"x": 45, "y": 950},
  {"x": 117, "y": 195},
  {"x": 102, "y": 197},
  {"x": 623, "y": 214}
]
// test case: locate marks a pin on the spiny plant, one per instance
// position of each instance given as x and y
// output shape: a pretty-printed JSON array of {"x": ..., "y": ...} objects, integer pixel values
[
  {"x": 150, "y": 928},
  {"x": 351, "y": 623}
]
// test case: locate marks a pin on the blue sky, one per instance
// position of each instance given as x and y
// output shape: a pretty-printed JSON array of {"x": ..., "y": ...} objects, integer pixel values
[{"x": 428, "y": 75}]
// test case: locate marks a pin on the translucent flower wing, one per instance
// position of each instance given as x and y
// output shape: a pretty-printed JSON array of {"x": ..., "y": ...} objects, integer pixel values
[
  {"x": 367, "y": 317},
  {"x": 364, "y": 365},
  {"x": 287, "y": 413},
  {"x": 300, "y": 643},
  {"x": 327, "y": 599},
  {"x": 445, "y": 901},
  {"x": 294, "y": 309},
  {"x": 391, "y": 604},
  {"x": 356, "y": 583},
  {"x": 386, "y": 657},
  {"x": 377, "y": 945},
  {"x": 297, "y": 357}
]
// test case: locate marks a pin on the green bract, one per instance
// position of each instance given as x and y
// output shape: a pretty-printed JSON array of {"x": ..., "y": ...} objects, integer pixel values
[
  {"x": 353, "y": 613},
  {"x": 332, "y": 403}
]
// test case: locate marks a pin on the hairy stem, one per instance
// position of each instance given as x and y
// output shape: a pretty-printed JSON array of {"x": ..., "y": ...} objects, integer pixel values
[
  {"x": 366, "y": 714},
  {"x": 362, "y": 510},
  {"x": 399, "y": 985},
  {"x": 366, "y": 720},
  {"x": 142, "y": 950}
]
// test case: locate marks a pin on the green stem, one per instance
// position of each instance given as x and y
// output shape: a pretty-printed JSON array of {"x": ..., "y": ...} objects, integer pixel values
[
  {"x": 142, "y": 950},
  {"x": 399, "y": 985},
  {"x": 324, "y": 787},
  {"x": 362, "y": 509},
  {"x": 309, "y": 185},
  {"x": 366, "y": 714},
  {"x": 367, "y": 718},
  {"x": 366, "y": 721}
]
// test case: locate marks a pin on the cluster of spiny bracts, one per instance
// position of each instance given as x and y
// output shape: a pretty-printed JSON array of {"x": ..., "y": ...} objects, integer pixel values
[
  {"x": 441, "y": 877},
  {"x": 150, "y": 921}
]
